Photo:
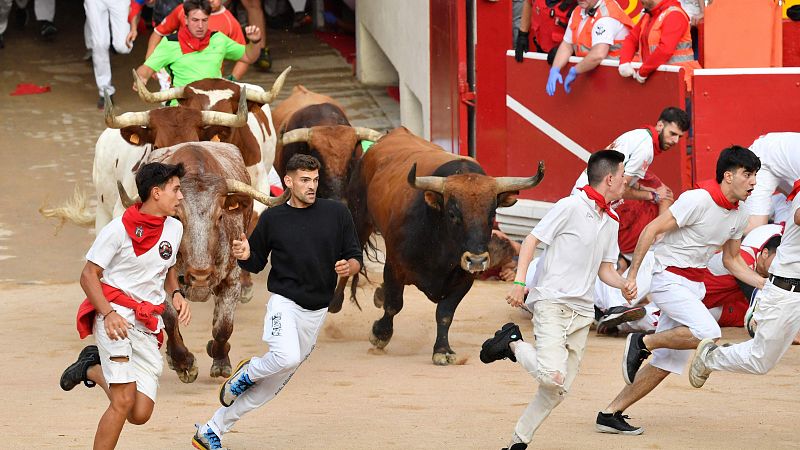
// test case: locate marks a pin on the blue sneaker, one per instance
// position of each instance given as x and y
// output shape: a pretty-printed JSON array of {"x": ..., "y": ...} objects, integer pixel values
[
  {"x": 207, "y": 440},
  {"x": 236, "y": 384}
]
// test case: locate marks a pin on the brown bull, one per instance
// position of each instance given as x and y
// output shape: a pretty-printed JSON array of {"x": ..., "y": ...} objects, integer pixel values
[{"x": 435, "y": 212}]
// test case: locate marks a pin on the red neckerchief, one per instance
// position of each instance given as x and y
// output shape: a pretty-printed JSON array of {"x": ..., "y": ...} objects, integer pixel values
[
  {"x": 716, "y": 194},
  {"x": 795, "y": 190},
  {"x": 656, "y": 143},
  {"x": 600, "y": 200},
  {"x": 143, "y": 229},
  {"x": 190, "y": 43}
]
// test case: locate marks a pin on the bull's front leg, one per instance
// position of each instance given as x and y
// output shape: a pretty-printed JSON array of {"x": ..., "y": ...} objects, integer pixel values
[
  {"x": 392, "y": 290},
  {"x": 218, "y": 347},
  {"x": 443, "y": 355},
  {"x": 179, "y": 358}
]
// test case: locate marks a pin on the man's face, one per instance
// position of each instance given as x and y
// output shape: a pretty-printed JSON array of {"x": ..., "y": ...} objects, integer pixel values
[
  {"x": 742, "y": 182},
  {"x": 587, "y": 4},
  {"x": 650, "y": 4},
  {"x": 303, "y": 184},
  {"x": 197, "y": 23},
  {"x": 764, "y": 260},
  {"x": 215, "y": 5},
  {"x": 668, "y": 134},
  {"x": 617, "y": 187},
  {"x": 168, "y": 199}
]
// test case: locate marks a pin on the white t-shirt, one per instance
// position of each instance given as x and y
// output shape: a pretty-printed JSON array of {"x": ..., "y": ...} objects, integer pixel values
[
  {"x": 780, "y": 155},
  {"x": 752, "y": 244},
  {"x": 637, "y": 146},
  {"x": 140, "y": 277},
  {"x": 577, "y": 239},
  {"x": 787, "y": 260},
  {"x": 604, "y": 31},
  {"x": 692, "y": 7},
  {"x": 703, "y": 227}
]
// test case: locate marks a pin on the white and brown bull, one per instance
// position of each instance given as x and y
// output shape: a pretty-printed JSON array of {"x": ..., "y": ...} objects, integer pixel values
[
  {"x": 315, "y": 124},
  {"x": 217, "y": 206},
  {"x": 435, "y": 212}
]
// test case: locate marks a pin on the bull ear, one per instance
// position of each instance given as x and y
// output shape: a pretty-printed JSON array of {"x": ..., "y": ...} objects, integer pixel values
[
  {"x": 236, "y": 203},
  {"x": 507, "y": 199},
  {"x": 136, "y": 135},
  {"x": 434, "y": 200}
]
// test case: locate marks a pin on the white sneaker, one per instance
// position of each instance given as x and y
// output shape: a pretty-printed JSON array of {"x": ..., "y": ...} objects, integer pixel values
[{"x": 699, "y": 371}]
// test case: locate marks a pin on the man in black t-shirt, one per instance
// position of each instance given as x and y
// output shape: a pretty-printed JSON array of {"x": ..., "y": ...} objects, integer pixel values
[{"x": 312, "y": 242}]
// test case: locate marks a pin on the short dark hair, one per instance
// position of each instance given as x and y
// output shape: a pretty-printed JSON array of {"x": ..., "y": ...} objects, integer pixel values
[
  {"x": 602, "y": 163},
  {"x": 735, "y": 157},
  {"x": 156, "y": 174},
  {"x": 299, "y": 161},
  {"x": 675, "y": 115},
  {"x": 773, "y": 243},
  {"x": 191, "y": 5}
]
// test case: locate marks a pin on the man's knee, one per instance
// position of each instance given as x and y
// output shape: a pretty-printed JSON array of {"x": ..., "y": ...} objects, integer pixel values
[
  {"x": 708, "y": 330},
  {"x": 139, "y": 417},
  {"x": 552, "y": 379},
  {"x": 288, "y": 361}
]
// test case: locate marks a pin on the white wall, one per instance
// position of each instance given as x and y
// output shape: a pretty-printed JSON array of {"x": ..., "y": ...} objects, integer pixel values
[{"x": 393, "y": 47}]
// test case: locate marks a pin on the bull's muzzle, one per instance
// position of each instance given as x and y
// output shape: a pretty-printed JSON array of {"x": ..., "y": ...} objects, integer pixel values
[
  {"x": 198, "y": 278},
  {"x": 475, "y": 263}
]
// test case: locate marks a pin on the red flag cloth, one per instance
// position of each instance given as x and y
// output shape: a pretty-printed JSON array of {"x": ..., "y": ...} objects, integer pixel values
[
  {"x": 795, "y": 190},
  {"x": 656, "y": 143},
  {"x": 600, "y": 200},
  {"x": 28, "y": 89},
  {"x": 146, "y": 312},
  {"x": 716, "y": 194},
  {"x": 190, "y": 43},
  {"x": 143, "y": 229}
]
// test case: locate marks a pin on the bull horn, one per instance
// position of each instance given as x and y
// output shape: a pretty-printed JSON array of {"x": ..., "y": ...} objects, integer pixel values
[
  {"x": 367, "y": 134},
  {"x": 268, "y": 97},
  {"x": 158, "y": 97},
  {"x": 127, "y": 202},
  {"x": 244, "y": 188},
  {"x": 123, "y": 120},
  {"x": 435, "y": 184},
  {"x": 229, "y": 120},
  {"x": 297, "y": 135},
  {"x": 506, "y": 184}
]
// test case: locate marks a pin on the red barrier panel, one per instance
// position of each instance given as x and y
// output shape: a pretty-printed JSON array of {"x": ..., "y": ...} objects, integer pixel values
[
  {"x": 562, "y": 130},
  {"x": 735, "y": 106}
]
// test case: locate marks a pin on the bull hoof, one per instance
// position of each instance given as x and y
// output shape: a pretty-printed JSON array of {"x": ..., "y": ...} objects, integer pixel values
[
  {"x": 378, "y": 343},
  {"x": 189, "y": 375},
  {"x": 378, "y": 297},
  {"x": 444, "y": 359},
  {"x": 247, "y": 294},
  {"x": 170, "y": 363},
  {"x": 221, "y": 369}
]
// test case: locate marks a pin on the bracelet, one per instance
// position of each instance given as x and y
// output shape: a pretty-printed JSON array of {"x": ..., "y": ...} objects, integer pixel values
[
  {"x": 176, "y": 291},
  {"x": 254, "y": 42},
  {"x": 520, "y": 283},
  {"x": 106, "y": 314}
]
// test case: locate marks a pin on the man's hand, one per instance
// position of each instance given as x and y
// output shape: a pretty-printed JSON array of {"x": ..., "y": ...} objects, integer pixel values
[
  {"x": 553, "y": 79},
  {"x": 116, "y": 326},
  {"x": 638, "y": 77},
  {"x": 571, "y": 75},
  {"x": 629, "y": 291},
  {"x": 664, "y": 193},
  {"x": 342, "y": 268},
  {"x": 241, "y": 248},
  {"x": 522, "y": 45},
  {"x": 695, "y": 20},
  {"x": 182, "y": 306},
  {"x": 626, "y": 70},
  {"x": 253, "y": 34},
  {"x": 516, "y": 296},
  {"x": 131, "y": 37}
]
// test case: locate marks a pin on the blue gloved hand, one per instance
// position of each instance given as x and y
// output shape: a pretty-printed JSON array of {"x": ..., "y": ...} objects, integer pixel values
[
  {"x": 330, "y": 18},
  {"x": 552, "y": 79},
  {"x": 571, "y": 75}
]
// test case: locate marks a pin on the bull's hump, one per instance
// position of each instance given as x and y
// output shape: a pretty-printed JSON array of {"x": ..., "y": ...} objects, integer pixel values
[{"x": 214, "y": 96}]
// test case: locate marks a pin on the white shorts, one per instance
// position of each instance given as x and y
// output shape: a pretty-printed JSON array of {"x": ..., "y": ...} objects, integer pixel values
[
  {"x": 760, "y": 201},
  {"x": 144, "y": 363},
  {"x": 681, "y": 304}
]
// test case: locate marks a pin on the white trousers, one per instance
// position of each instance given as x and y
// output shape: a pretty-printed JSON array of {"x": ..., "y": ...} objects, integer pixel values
[
  {"x": 778, "y": 318},
  {"x": 291, "y": 333},
  {"x": 554, "y": 362},
  {"x": 107, "y": 22},
  {"x": 43, "y": 9},
  {"x": 606, "y": 297}
]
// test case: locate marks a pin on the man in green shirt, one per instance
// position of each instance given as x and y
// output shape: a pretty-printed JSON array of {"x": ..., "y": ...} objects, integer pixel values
[{"x": 193, "y": 53}]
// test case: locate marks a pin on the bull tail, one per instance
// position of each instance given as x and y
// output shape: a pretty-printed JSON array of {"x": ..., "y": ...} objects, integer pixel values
[
  {"x": 338, "y": 295},
  {"x": 75, "y": 210},
  {"x": 354, "y": 288}
]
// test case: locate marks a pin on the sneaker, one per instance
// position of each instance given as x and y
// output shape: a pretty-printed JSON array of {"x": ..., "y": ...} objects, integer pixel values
[
  {"x": 48, "y": 30},
  {"x": 517, "y": 446},
  {"x": 616, "y": 424},
  {"x": 618, "y": 315},
  {"x": 264, "y": 61},
  {"x": 699, "y": 371},
  {"x": 236, "y": 384},
  {"x": 76, "y": 372},
  {"x": 207, "y": 440},
  {"x": 749, "y": 322},
  {"x": 21, "y": 17},
  {"x": 497, "y": 348},
  {"x": 634, "y": 356}
]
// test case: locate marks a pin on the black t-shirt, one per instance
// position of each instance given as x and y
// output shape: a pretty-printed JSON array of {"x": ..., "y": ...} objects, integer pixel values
[{"x": 305, "y": 244}]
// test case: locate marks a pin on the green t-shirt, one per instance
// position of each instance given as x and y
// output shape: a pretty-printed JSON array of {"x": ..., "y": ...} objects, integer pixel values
[{"x": 194, "y": 66}]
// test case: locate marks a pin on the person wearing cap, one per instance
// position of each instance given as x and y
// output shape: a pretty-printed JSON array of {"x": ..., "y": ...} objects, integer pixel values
[{"x": 596, "y": 30}]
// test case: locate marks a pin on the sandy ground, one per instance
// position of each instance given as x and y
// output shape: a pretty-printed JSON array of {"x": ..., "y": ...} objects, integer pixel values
[{"x": 346, "y": 396}]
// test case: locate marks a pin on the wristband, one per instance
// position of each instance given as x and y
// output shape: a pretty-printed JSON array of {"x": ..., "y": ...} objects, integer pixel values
[
  {"x": 254, "y": 42},
  {"x": 520, "y": 283},
  {"x": 176, "y": 291},
  {"x": 106, "y": 314}
]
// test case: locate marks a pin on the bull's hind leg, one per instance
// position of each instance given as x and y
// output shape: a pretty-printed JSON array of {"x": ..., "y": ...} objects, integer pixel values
[
  {"x": 383, "y": 328},
  {"x": 218, "y": 347},
  {"x": 443, "y": 355},
  {"x": 179, "y": 358}
]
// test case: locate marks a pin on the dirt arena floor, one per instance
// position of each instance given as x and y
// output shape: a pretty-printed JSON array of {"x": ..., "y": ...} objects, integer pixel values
[{"x": 346, "y": 396}]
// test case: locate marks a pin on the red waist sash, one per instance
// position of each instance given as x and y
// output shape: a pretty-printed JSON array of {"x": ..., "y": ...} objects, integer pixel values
[
  {"x": 690, "y": 273},
  {"x": 145, "y": 312}
]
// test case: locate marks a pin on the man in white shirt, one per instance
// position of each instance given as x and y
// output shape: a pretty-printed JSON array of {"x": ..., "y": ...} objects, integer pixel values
[
  {"x": 780, "y": 171},
  {"x": 595, "y": 31},
  {"x": 777, "y": 314},
  {"x": 561, "y": 294},
  {"x": 695, "y": 226},
  {"x": 640, "y": 146}
]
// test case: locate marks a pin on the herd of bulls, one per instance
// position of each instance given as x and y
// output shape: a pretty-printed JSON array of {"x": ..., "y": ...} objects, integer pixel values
[{"x": 434, "y": 210}]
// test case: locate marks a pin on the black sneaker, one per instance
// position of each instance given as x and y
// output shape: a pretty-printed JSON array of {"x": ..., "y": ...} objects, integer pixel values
[
  {"x": 76, "y": 372},
  {"x": 48, "y": 30},
  {"x": 497, "y": 348},
  {"x": 517, "y": 446},
  {"x": 618, "y": 315},
  {"x": 616, "y": 424},
  {"x": 634, "y": 356},
  {"x": 598, "y": 314}
]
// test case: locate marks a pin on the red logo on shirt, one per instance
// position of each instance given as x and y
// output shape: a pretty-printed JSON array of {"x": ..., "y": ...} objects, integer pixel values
[{"x": 165, "y": 249}]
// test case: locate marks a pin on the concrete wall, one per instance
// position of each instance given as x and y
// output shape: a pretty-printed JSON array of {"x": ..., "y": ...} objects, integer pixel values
[{"x": 393, "y": 47}]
